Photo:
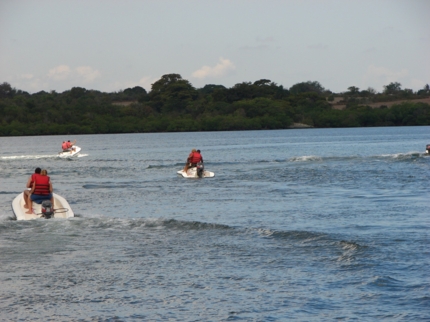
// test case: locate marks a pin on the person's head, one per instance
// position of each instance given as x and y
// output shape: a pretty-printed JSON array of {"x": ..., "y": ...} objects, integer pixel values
[
  {"x": 44, "y": 172},
  {"x": 37, "y": 170},
  {"x": 193, "y": 150},
  {"x": 68, "y": 141},
  {"x": 198, "y": 151}
]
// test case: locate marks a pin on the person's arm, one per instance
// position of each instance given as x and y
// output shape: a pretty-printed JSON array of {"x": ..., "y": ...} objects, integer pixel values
[
  {"x": 50, "y": 187},
  {"x": 29, "y": 182},
  {"x": 33, "y": 187}
]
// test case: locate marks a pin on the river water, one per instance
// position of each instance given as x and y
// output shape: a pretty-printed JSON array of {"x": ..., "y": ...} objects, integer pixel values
[{"x": 305, "y": 225}]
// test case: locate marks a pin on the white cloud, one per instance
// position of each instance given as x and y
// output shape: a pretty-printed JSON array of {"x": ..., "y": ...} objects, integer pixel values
[
  {"x": 386, "y": 73},
  {"x": 220, "y": 69},
  {"x": 84, "y": 74},
  {"x": 87, "y": 73},
  {"x": 33, "y": 84},
  {"x": 60, "y": 72},
  {"x": 146, "y": 82}
]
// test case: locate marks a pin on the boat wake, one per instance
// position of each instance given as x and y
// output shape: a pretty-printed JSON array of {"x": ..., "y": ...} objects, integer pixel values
[
  {"x": 404, "y": 156},
  {"x": 28, "y": 157},
  {"x": 305, "y": 158},
  {"x": 35, "y": 157}
]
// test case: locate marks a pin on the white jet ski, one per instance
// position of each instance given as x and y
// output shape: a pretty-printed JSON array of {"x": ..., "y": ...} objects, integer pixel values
[
  {"x": 71, "y": 153},
  {"x": 428, "y": 148},
  {"x": 60, "y": 208},
  {"x": 196, "y": 172}
]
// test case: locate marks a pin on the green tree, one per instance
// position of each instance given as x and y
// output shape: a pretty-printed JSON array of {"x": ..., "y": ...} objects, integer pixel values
[
  {"x": 6, "y": 90},
  {"x": 305, "y": 87},
  {"x": 425, "y": 90},
  {"x": 171, "y": 93},
  {"x": 210, "y": 88},
  {"x": 353, "y": 90},
  {"x": 392, "y": 88}
]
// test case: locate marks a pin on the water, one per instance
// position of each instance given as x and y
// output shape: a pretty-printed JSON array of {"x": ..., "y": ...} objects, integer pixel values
[{"x": 306, "y": 225}]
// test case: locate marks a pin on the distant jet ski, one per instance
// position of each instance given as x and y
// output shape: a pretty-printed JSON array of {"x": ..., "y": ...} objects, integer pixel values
[
  {"x": 196, "y": 172},
  {"x": 428, "y": 148},
  {"x": 70, "y": 153}
]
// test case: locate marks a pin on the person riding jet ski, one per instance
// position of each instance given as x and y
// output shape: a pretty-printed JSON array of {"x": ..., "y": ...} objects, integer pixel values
[{"x": 192, "y": 160}]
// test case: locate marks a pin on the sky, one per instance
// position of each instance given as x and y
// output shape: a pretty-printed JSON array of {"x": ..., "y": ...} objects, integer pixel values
[{"x": 111, "y": 45}]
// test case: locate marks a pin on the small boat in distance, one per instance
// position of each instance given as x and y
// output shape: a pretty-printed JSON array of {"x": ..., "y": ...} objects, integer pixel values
[
  {"x": 61, "y": 209},
  {"x": 428, "y": 148},
  {"x": 196, "y": 172}
]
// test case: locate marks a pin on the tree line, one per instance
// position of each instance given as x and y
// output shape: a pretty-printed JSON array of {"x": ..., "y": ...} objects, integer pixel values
[{"x": 174, "y": 105}]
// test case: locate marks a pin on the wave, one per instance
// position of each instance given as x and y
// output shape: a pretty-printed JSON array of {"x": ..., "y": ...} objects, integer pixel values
[
  {"x": 310, "y": 243},
  {"x": 345, "y": 252},
  {"x": 346, "y": 245},
  {"x": 38, "y": 157},
  {"x": 160, "y": 166},
  {"x": 295, "y": 235},
  {"x": 410, "y": 156},
  {"x": 305, "y": 158},
  {"x": 28, "y": 157},
  {"x": 104, "y": 222},
  {"x": 112, "y": 185},
  {"x": 126, "y": 224},
  {"x": 403, "y": 156},
  {"x": 312, "y": 159},
  {"x": 385, "y": 282},
  {"x": 8, "y": 193}
]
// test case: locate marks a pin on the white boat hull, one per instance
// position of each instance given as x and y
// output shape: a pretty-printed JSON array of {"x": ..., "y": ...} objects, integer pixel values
[
  {"x": 192, "y": 173},
  {"x": 61, "y": 204},
  {"x": 71, "y": 153}
]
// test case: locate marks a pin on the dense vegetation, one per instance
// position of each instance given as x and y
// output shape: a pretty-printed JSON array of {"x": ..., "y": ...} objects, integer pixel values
[{"x": 173, "y": 104}]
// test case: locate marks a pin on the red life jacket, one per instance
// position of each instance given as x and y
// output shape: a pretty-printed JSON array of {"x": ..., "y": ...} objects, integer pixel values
[
  {"x": 42, "y": 185},
  {"x": 64, "y": 146},
  {"x": 69, "y": 145},
  {"x": 196, "y": 157}
]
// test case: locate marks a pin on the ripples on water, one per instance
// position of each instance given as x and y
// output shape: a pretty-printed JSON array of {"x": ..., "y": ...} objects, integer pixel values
[{"x": 283, "y": 232}]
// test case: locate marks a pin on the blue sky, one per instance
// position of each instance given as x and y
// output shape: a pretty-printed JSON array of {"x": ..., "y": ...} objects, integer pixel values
[{"x": 111, "y": 45}]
